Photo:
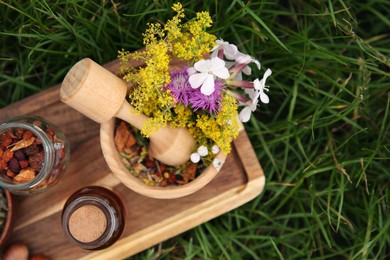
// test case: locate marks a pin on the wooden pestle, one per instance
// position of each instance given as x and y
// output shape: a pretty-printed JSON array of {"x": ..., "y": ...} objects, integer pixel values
[{"x": 100, "y": 95}]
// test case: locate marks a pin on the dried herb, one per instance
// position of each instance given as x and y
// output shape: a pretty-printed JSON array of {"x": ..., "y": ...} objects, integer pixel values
[
  {"x": 134, "y": 150},
  {"x": 21, "y": 155}
]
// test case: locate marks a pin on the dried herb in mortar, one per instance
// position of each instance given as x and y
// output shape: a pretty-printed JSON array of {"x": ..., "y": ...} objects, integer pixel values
[{"x": 133, "y": 148}]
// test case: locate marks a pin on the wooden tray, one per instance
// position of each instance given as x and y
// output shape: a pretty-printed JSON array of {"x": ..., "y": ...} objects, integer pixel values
[{"x": 149, "y": 221}]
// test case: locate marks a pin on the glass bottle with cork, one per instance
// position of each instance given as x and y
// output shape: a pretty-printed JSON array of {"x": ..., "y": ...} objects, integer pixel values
[{"x": 93, "y": 218}]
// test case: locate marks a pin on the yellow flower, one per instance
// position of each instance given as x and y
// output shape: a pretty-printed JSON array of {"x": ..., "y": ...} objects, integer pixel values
[{"x": 188, "y": 41}]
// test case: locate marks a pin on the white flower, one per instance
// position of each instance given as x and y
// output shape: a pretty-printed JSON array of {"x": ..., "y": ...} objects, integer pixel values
[
  {"x": 202, "y": 150},
  {"x": 254, "y": 94},
  {"x": 195, "y": 157},
  {"x": 229, "y": 50},
  {"x": 260, "y": 85},
  {"x": 246, "y": 59},
  {"x": 217, "y": 163},
  {"x": 208, "y": 70},
  {"x": 215, "y": 149},
  {"x": 245, "y": 113}
]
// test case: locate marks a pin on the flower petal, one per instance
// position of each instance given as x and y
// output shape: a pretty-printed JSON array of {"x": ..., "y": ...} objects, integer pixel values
[
  {"x": 208, "y": 86},
  {"x": 216, "y": 63},
  {"x": 245, "y": 114},
  {"x": 243, "y": 58},
  {"x": 222, "y": 73},
  {"x": 217, "y": 163},
  {"x": 215, "y": 149},
  {"x": 251, "y": 92},
  {"x": 247, "y": 70},
  {"x": 197, "y": 79},
  {"x": 257, "y": 63},
  {"x": 203, "y": 151},
  {"x": 191, "y": 70},
  {"x": 195, "y": 157},
  {"x": 214, "y": 54},
  {"x": 257, "y": 84},
  {"x": 264, "y": 98},
  {"x": 267, "y": 73},
  {"x": 202, "y": 65},
  {"x": 230, "y": 51},
  {"x": 218, "y": 44}
]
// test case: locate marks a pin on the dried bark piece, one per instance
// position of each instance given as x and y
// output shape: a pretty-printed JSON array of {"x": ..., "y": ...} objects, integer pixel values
[
  {"x": 7, "y": 156},
  {"x": 38, "y": 141},
  {"x": 131, "y": 140},
  {"x": 23, "y": 144},
  {"x": 120, "y": 136},
  {"x": 27, "y": 135},
  {"x": 18, "y": 133},
  {"x": 11, "y": 173},
  {"x": 6, "y": 139},
  {"x": 3, "y": 164},
  {"x": 25, "y": 175},
  {"x": 124, "y": 138},
  {"x": 189, "y": 172},
  {"x": 131, "y": 152}
]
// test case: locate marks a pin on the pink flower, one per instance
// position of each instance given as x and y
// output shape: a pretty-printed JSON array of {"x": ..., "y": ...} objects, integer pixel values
[
  {"x": 180, "y": 86},
  {"x": 211, "y": 102}
]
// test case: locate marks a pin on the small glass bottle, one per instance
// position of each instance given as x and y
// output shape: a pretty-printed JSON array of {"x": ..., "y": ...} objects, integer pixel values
[
  {"x": 93, "y": 218},
  {"x": 35, "y": 148}
]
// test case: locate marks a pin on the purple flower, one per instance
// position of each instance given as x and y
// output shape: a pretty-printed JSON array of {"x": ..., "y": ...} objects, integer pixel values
[
  {"x": 212, "y": 102},
  {"x": 179, "y": 85}
]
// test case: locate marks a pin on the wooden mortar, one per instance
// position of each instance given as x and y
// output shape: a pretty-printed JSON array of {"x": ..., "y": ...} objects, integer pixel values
[{"x": 114, "y": 161}]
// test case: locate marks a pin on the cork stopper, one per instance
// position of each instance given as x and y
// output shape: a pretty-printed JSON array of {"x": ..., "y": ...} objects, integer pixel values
[{"x": 87, "y": 223}]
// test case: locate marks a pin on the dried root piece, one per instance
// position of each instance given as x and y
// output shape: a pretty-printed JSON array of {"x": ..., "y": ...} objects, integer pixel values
[{"x": 25, "y": 175}]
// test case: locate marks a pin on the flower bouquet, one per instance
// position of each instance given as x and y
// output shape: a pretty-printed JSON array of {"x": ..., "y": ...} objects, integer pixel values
[{"x": 192, "y": 80}]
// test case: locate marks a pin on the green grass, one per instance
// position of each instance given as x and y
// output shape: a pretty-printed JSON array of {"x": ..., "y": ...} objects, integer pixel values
[{"x": 323, "y": 141}]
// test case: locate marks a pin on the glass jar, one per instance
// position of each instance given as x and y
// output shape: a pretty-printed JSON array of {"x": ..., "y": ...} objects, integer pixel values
[
  {"x": 93, "y": 218},
  {"x": 34, "y": 153}
]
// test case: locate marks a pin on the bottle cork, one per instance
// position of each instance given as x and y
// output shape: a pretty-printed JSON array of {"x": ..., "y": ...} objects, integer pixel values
[{"x": 87, "y": 223}]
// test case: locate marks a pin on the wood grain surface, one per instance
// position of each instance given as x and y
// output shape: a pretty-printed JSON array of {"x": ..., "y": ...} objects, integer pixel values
[{"x": 149, "y": 221}]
